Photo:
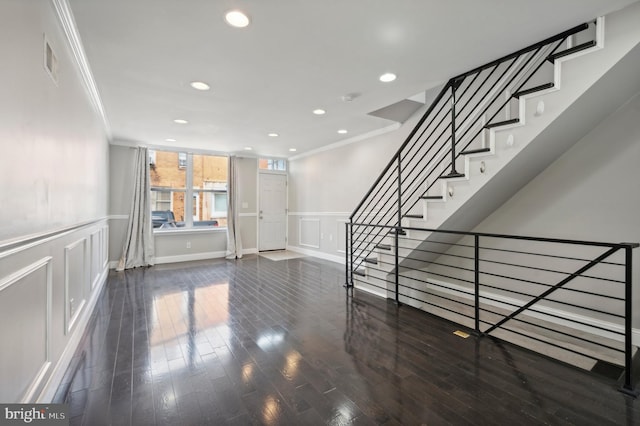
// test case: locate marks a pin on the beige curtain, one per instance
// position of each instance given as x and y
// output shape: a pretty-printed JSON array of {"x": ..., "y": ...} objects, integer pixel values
[
  {"x": 234, "y": 244},
  {"x": 138, "y": 248}
]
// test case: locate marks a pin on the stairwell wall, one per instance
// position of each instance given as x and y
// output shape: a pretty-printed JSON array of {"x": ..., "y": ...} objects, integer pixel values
[
  {"x": 326, "y": 186},
  {"x": 589, "y": 193}
]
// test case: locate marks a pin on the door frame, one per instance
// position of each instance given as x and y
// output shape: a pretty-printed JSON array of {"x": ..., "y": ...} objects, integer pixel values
[{"x": 284, "y": 173}]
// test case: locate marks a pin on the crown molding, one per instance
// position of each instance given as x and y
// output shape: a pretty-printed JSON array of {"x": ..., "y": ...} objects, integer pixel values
[{"x": 68, "y": 23}]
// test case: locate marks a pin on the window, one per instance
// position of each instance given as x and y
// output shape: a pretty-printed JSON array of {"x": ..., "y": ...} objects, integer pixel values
[
  {"x": 182, "y": 160},
  {"x": 272, "y": 164},
  {"x": 183, "y": 183}
]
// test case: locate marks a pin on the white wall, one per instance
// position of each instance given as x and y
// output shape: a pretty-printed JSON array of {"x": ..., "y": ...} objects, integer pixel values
[
  {"x": 325, "y": 187},
  {"x": 53, "y": 232},
  {"x": 589, "y": 193},
  {"x": 55, "y": 146}
]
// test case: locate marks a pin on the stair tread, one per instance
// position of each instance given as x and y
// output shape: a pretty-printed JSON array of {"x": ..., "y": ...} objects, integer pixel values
[
  {"x": 502, "y": 123},
  {"x": 359, "y": 272},
  {"x": 452, "y": 176},
  {"x": 571, "y": 50},
  {"x": 401, "y": 232},
  {"x": 533, "y": 90},
  {"x": 371, "y": 260},
  {"x": 432, "y": 197},
  {"x": 414, "y": 216},
  {"x": 383, "y": 246},
  {"x": 475, "y": 151}
]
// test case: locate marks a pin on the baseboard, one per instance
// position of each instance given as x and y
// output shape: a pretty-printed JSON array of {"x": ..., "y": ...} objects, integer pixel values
[
  {"x": 250, "y": 251},
  {"x": 546, "y": 313},
  {"x": 48, "y": 392},
  {"x": 318, "y": 254},
  {"x": 190, "y": 257}
]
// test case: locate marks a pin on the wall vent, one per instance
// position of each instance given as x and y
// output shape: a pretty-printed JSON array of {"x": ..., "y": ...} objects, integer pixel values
[{"x": 50, "y": 61}]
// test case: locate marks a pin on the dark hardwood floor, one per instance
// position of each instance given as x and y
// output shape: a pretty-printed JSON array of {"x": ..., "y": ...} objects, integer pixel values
[{"x": 256, "y": 341}]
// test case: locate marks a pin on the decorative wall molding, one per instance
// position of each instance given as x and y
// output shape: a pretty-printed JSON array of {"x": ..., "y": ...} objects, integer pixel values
[
  {"x": 68, "y": 23},
  {"x": 12, "y": 247},
  {"x": 70, "y": 317},
  {"x": 309, "y": 233},
  {"x": 16, "y": 277}
]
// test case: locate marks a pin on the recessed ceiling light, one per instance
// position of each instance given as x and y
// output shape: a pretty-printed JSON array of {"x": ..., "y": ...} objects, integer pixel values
[
  {"x": 292, "y": 149},
  {"x": 247, "y": 148},
  {"x": 200, "y": 85},
  {"x": 342, "y": 131},
  {"x": 180, "y": 121},
  {"x": 237, "y": 19},
  {"x": 386, "y": 78},
  {"x": 319, "y": 111},
  {"x": 170, "y": 140},
  {"x": 273, "y": 135}
]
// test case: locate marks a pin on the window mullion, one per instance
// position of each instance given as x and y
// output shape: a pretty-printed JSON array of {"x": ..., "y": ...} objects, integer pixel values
[{"x": 188, "y": 196}]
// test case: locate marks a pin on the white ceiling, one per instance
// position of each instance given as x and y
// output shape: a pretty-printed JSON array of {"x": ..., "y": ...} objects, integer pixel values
[{"x": 296, "y": 56}]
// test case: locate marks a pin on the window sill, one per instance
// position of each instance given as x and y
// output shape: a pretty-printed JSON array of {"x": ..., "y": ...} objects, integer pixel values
[{"x": 184, "y": 231}]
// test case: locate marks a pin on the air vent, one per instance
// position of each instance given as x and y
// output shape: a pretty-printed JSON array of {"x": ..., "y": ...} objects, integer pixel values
[{"x": 50, "y": 61}]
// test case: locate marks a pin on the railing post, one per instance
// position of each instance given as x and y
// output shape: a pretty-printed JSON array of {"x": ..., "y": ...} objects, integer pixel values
[
  {"x": 348, "y": 264},
  {"x": 476, "y": 257},
  {"x": 627, "y": 387},
  {"x": 454, "y": 172},
  {"x": 399, "y": 193},
  {"x": 397, "y": 264}
]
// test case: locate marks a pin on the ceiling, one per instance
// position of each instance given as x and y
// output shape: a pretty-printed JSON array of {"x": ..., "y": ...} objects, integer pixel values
[{"x": 294, "y": 57}]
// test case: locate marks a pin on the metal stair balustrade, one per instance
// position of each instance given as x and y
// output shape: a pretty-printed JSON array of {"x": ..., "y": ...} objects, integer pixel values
[{"x": 380, "y": 245}]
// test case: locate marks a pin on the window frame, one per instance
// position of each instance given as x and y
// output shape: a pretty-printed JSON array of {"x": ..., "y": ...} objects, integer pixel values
[{"x": 189, "y": 192}]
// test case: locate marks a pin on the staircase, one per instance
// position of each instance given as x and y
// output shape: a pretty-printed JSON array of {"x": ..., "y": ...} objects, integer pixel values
[{"x": 488, "y": 133}]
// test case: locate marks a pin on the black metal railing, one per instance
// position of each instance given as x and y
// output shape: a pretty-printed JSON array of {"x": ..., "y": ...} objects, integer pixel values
[
  {"x": 453, "y": 125},
  {"x": 574, "y": 296}
]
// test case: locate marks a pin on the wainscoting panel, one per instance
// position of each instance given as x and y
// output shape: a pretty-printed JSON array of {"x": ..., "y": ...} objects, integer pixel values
[
  {"x": 309, "y": 232},
  {"x": 341, "y": 232},
  {"x": 75, "y": 273},
  {"x": 25, "y": 304},
  {"x": 96, "y": 257}
]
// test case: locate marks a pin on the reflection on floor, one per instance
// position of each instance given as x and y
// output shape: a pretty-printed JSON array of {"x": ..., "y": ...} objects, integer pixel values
[{"x": 255, "y": 341}]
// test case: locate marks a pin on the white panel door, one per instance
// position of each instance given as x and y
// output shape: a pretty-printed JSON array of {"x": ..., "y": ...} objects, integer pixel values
[{"x": 273, "y": 212}]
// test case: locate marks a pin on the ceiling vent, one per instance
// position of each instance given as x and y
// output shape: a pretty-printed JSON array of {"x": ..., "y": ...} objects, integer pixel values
[{"x": 50, "y": 61}]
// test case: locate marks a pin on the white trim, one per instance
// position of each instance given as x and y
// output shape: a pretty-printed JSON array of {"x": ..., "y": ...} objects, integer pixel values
[
  {"x": 342, "y": 214},
  {"x": 348, "y": 141},
  {"x": 29, "y": 241},
  {"x": 300, "y": 233},
  {"x": 15, "y": 277},
  {"x": 135, "y": 144},
  {"x": 68, "y": 23},
  {"x": 190, "y": 257},
  {"x": 318, "y": 254},
  {"x": 340, "y": 224},
  {"x": 186, "y": 231},
  {"x": 59, "y": 370},
  {"x": 70, "y": 320},
  {"x": 544, "y": 313}
]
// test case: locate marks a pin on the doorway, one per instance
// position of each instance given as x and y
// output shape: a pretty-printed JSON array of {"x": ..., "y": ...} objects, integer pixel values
[{"x": 272, "y": 215}]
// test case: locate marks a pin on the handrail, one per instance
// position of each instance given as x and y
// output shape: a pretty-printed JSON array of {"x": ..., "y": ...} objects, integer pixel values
[{"x": 449, "y": 84}]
